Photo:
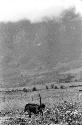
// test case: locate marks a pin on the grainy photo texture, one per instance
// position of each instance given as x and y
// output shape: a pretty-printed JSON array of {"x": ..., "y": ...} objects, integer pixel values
[{"x": 41, "y": 62}]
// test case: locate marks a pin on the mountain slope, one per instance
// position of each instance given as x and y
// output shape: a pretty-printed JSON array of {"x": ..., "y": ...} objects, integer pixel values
[{"x": 35, "y": 47}]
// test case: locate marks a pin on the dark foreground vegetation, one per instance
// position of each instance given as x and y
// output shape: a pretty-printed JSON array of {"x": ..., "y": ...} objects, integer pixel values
[{"x": 64, "y": 113}]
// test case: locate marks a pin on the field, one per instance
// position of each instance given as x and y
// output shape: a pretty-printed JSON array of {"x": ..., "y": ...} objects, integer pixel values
[
  {"x": 41, "y": 58},
  {"x": 12, "y": 105}
]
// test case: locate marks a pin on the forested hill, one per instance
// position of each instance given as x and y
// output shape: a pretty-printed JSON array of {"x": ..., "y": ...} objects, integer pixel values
[{"x": 27, "y": 47}]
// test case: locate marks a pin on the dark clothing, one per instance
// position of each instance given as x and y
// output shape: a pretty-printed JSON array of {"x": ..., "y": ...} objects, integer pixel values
[{"x": 34, "y": 108}]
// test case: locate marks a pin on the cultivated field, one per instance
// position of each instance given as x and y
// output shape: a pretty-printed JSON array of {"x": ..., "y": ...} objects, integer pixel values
[{"x": 12, "y": 106}]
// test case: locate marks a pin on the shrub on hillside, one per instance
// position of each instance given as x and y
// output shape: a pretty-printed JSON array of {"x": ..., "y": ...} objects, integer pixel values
[
  {"x": 62, "y": 87},
  {"x": 55, "y": 87},
  {"x": 25, "y": 90},
  {"x": 52, "y": 86},
  {"x": 46, "y": 87},
  {"x": 34, "y": 89}
]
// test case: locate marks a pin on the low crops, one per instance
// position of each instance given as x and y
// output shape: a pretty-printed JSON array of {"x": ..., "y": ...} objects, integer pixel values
[{"x": 64, "y": 113}]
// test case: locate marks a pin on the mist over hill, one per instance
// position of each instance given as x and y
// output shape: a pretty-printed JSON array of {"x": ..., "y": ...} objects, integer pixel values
[{"x": 27, "y": 47}]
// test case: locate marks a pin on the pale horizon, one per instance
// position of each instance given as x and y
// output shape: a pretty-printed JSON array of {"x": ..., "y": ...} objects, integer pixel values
[{"x": 35, "y": 10}]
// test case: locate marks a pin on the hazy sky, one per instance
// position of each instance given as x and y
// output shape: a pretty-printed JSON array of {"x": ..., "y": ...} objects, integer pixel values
[{"x": 13, "y": 10}]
